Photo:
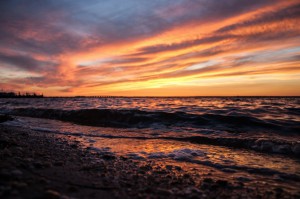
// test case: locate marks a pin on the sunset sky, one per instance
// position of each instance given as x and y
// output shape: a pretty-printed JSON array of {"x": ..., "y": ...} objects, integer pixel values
[{"x": 150, "y": 47}]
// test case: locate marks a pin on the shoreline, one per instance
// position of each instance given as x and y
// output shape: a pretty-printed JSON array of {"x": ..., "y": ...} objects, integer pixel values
[{"x": 39, "y": 165}]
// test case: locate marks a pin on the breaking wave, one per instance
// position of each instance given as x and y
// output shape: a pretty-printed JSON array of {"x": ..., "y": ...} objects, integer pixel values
[{"x": 145, "y": 119}]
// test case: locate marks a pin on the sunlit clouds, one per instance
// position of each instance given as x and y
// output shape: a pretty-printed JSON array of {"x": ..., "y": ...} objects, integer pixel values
[{"x": 171, "y": 47}]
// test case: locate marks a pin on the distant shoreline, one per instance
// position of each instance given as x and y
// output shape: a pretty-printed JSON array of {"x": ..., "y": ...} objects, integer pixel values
[
  {"x": 19, "y": 95},
  {"x": 24, "y": 97},
  {"x": 153, "y": 97}
]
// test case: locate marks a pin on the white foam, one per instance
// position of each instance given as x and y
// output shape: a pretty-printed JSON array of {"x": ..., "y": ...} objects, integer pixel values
[
  {"x": 186, "y": 154},
  {"x": 94, "y": 149},
  {"x": 91, "y": 141},
  {"x": 178, "y": 154},
  {"x": 43, "y": 129},
  {"x": 157, "y": 155},
  {"x": 14, "y": 123},
  {"x": 135, "y": 156}
]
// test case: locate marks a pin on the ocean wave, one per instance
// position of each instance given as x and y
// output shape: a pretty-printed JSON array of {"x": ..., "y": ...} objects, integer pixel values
[
  {"x": 146, "y": 119},
  {"x": 295, "y": 111}
]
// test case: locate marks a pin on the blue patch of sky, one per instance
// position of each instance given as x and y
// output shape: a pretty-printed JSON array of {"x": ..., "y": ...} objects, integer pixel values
[{"x": 203, "y": 65}]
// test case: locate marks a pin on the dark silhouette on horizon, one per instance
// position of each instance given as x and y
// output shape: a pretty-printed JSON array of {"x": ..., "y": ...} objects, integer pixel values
[{"x": 19, "y": 95}]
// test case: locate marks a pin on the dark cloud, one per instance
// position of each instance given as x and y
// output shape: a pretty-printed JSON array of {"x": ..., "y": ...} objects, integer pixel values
[
  {"x": 283, "y": 56},
  {"x": 241, "y": 42},
  {"x": 27, "y": 63},
  {"x": 127, "y": 60},
  {"x": 39, "y": 27},
  {"x": 294, "y": 58},
  {"x": 52, "y": 27},
  {"x": 45, "y": 81},
  {"x": 182, "y": 45},
  {"x": 254, "y": 72},
  {"x": 40, "y": 37},
  {"x": 66, "y": 90},
  {"x": 291, "y": 12}
]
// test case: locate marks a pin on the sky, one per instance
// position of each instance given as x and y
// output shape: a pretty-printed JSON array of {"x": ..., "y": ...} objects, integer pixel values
[{"x": 150, "y": 48}]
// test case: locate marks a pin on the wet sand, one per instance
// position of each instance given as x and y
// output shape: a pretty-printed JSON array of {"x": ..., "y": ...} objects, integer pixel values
[{"x": 38, "y": 165}]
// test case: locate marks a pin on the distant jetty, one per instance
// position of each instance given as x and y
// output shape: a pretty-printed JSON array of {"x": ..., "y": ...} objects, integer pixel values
[{"x": 19, "y": 95}]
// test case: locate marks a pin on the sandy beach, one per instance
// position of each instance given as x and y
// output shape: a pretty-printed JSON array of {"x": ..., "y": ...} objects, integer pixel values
[{"x": 39, "y": 165}]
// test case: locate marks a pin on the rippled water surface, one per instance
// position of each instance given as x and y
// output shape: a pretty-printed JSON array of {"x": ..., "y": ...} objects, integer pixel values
[
  {"x": 265, "y": 108},
  {"x": 214, "y": 116}
]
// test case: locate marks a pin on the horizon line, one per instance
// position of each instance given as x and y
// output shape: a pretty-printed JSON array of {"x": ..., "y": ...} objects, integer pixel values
[{"x": 178, "y": 96}]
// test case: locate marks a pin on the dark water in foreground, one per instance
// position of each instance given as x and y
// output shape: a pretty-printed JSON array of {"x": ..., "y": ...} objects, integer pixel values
[{"x": 254, "y": 137}]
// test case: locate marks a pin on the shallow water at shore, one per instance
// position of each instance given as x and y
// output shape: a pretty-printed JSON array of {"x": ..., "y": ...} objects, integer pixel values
[{"x": 222, "y": 162}]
